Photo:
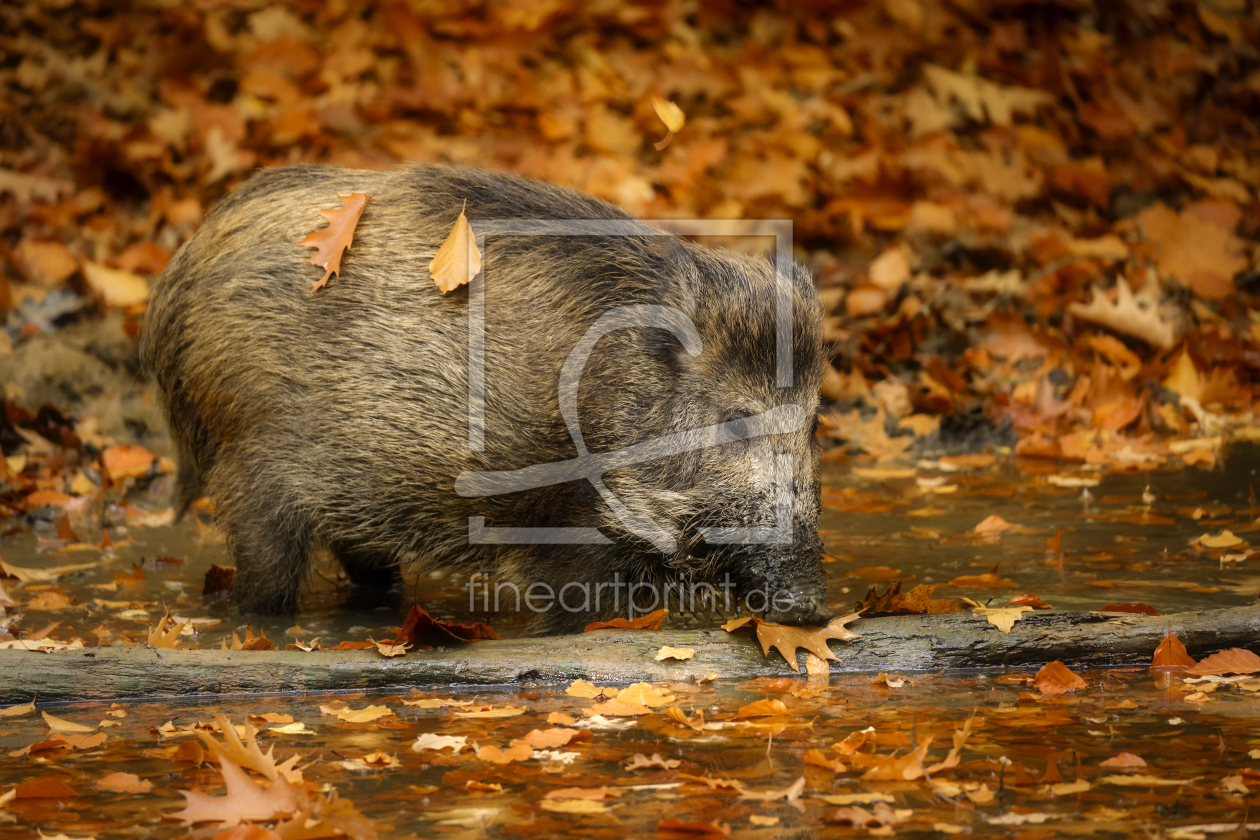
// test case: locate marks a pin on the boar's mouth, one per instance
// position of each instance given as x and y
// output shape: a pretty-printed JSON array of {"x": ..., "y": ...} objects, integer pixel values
[{"x": 781, "y": 584}]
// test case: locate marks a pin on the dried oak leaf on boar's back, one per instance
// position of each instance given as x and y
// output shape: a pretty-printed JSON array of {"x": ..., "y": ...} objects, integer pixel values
[
  {"x": 333, "y": 241},
  {"x": 788, "y": 639},
  {"x": 458, "y": 261},
  {"x": 423, "y": 630}
]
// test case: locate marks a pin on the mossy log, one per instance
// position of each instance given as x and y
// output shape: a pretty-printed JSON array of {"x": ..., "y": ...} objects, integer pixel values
[{"x": 899, "y": 644}]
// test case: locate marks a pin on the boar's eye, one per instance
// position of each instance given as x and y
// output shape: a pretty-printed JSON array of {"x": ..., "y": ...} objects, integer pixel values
[{"x": 737, "y": 427}]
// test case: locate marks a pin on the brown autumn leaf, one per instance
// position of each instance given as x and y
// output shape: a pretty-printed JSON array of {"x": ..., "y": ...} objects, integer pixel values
[
  {"x": 676, "y": 828},
  {"x": 1125, "y": 760},
  {"x": 124, "y": 783},
  {"x": 1027, "y": 600},
  {"x": 1201, "y": 255},
  {"x": 333, "y": 241},
  {"x": 458, "y": 261},
  {"x": 1232, "y": 661},
  {"x": 1129, "y": 608},
  {"x": 45, "y": 787},
  {"x": 604, "y": 792},
  {"x": 988, "y": 580},
  {"x": 1055, "y": 678},
  {"x": 788, "y": 639},
  {"x": 651, "y": 621},
  {"x": 423, "y": 630},
  {"x": 135, "y": 576},
  {"x": 251, "y": 642},
  {"x": 218, "y": 579},
  {"x": 245, "y": 800},
  {"x": 1171, "y": 653},
  {"x": 762, "y": 708},
  {"x": 918, "y": 601},
  {"x": 364, "y": 715},
  {"x": 616, "y": 707}
]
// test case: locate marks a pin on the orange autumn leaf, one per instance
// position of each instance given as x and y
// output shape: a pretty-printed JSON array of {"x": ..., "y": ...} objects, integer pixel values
[
  {"x": 651, "y": 621},
  {"x": 676, "y": 828},
  {"x": 45, "y": 787},
  {"x": 1232, "y": 661},
  {"x": 1171, "y": 653},
  {"x": 1028, "y": 601},
  {"x": 762, "y": 708},
  {"x": 458, "y": 261},
  {"x": 333, "y": 241},
  {"x": 1125, "y": 760},
  {"x": 124, "y": 783},
  {"x": 421, "y": 629},
  {"x": 918, "y": 601},
  {"x": 993, "y": 524},
  {"x": 988, "y": 580},
  {"x": 518, "y": 751},
  {"x": 129, "y": 461},
  {"x": 1055, "y": 678},
  {"x": 136, "y": 575},
  {"x": 1129, "y": 608}
]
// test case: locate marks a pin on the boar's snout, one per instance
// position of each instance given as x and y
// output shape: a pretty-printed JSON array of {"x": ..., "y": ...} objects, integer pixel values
[{"x": 807, "y": 606}]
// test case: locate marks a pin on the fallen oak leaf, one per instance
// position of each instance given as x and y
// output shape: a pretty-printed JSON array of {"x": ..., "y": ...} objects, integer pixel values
[
  {"x": 245, "y": 800},
  {"x": 243, "y": 752},
  {"x": 334, "y": 240},
  {"x": 167, "y": 632},
  {"x": 458, "y": 261},
  {"x": 1003, "y": 618},
  {"x": 1126, "y": 316},
  {"x": 790, "y": 794},
  {"x": 788, "y": 639}
]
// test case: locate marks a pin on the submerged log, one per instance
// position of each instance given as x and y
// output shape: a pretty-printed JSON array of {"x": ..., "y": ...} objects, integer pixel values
[{"x": 898, "y": 644}]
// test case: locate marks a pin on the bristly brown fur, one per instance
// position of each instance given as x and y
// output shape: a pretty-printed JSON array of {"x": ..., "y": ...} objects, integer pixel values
[{"x": 340, "y": 418}]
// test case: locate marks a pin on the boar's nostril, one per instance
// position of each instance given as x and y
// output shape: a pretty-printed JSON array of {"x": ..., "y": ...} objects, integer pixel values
[{"x": 806, "y": 608}]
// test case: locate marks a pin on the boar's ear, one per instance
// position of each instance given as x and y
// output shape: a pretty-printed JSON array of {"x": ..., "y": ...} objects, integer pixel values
[{"x": 674, "y": 272}]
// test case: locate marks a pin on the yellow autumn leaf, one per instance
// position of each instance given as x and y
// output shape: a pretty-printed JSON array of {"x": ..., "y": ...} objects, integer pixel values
[
  {"x": 1225, "y": 539},
  {"x": 670, "y": 114},
  {"x": 57, "y": 724},
  {"x": 350, "y": 715},
  {"x": 667, "y": 652},
  {"x": 502, "y": 712},
  {"x": 1003, "y": 618},
  {"x": 458, "y": 260},
  {"x": 574, "y": 806}
]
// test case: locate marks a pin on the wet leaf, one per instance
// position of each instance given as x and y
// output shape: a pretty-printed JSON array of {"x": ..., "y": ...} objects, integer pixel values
[
  {"x": 245, "y": 800},
  {"x": 788, "y": 639},
  {"x": 1232, "y": 661},
  {"x": 667, "y": 652},
  {"x": 1171, "y": 653},
  {"x": 651, "y": 621},
  {"x": 124, "y": 783},
  {"x": 1055, "y": 678}
]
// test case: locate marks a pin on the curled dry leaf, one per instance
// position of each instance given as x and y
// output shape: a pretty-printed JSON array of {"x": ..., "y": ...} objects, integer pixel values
[
  {"x": 334, "y": 240},
  {"x": 641, "y": 762},
  {"x": 458, "y": 261},
  {"x": 1126, "y": 316}
]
